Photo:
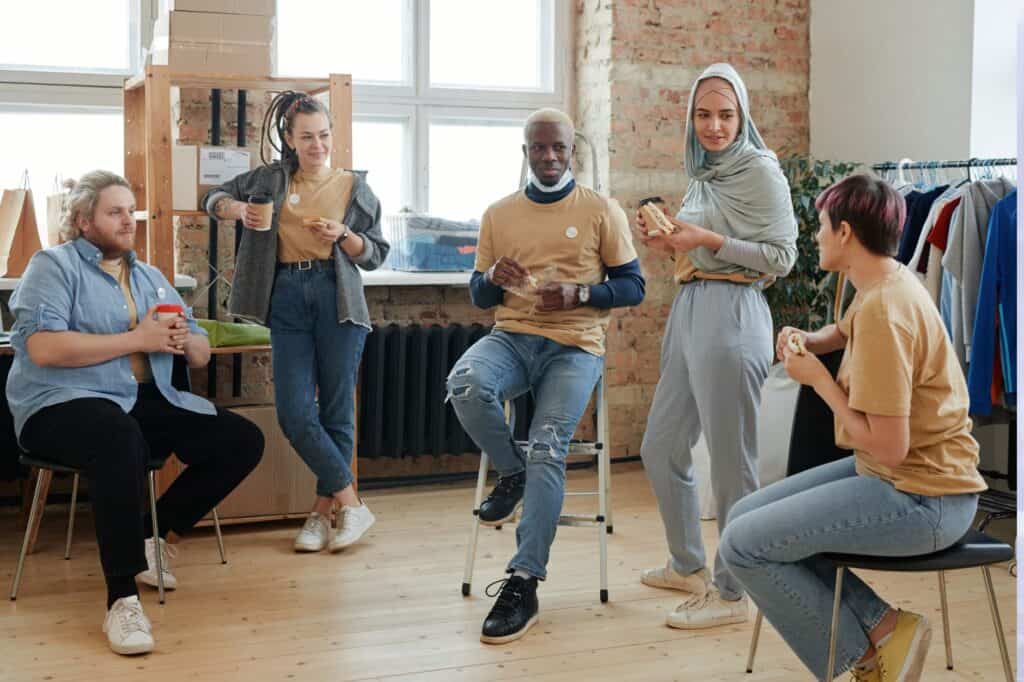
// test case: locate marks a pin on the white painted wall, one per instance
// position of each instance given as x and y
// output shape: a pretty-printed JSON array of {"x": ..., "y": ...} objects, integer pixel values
[
  {"x": 993, "y": 97},
  {"x": 890, "y": 79}
]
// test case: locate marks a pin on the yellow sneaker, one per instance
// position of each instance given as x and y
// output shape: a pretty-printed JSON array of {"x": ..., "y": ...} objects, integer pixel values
[{"x": 901, "y": 655}]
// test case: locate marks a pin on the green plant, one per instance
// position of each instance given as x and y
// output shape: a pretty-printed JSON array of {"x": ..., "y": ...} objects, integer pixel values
[{"x": 800, "y": 299}]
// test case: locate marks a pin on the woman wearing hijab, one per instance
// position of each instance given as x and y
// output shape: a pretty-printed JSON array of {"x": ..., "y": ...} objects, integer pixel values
[{"x": 734, "y": 233}]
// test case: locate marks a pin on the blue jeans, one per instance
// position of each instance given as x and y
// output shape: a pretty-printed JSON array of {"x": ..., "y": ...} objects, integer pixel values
[
  {"x": 504, "y": 366},
  {"x": 774, "y": 535},
  {"x": 316, "y": 362}
]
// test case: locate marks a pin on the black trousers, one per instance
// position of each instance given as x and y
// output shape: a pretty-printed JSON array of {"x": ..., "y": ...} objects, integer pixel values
[{"x": 113, "y": 447}]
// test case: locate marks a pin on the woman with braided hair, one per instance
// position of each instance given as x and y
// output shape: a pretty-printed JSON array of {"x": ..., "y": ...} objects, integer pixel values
[{"x": 297, "y": 273}]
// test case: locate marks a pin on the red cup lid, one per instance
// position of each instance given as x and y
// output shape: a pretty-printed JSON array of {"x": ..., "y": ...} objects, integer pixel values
[{"x": 170, "y": 308}]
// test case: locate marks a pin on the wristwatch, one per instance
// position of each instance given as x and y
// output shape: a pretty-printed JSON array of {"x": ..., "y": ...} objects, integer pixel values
[
  {"x": 583, "y": 293},
  {"x": 344, "y": 235}
]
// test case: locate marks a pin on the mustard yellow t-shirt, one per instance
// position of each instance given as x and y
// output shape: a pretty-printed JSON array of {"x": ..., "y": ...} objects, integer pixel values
[
  {"x": 117, "y": 269},
  {"x": 899, "y": 362},
  {"x": 571, "y": 240},
  {"x": 323, "y": 194}
]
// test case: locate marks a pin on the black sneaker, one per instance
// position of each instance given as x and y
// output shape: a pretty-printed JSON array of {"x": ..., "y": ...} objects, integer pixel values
[
  {"x": 500, "y": 505},
  {"x": 514, "y": 612}
]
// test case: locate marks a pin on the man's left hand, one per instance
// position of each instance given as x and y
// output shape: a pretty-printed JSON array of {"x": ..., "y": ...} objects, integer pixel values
[
  {"x": 557, "y": 296},
  {"x": 806, "y": 369}
]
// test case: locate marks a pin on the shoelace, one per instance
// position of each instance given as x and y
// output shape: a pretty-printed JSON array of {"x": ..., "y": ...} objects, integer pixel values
[
  {"x": 506, "y": 484},
  {"x": 167, "y": 551},
  {"x": 508, "y": 597},
  {"x": 314, "y": 523},
  {"x": 131, "y": 619},
  {"x": 696, "y": 601}
]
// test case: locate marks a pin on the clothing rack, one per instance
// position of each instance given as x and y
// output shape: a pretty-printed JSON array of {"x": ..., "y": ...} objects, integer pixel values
[
  {"x": 994, "y": 503},
  {"x": 964, "y": 163}
]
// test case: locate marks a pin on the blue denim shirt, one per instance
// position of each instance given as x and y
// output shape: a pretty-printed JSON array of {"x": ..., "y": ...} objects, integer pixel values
[{"x": 64, "y": 289}]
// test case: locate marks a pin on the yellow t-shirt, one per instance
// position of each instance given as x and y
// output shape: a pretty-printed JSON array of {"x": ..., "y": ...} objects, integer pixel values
[
  {"x": 139, "y": 362},
  {"x": 899, "y": 362},
  {"x": 571, "y": 240},
  {"x": 324, "y": 194}
]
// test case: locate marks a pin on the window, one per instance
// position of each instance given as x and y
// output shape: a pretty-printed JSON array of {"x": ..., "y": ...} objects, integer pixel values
[
  {"x": 366, "y": 39},
  {"x": 52, "y": 144},
  {"x": 49, "y": 35},
  {"x": 472, "y": 165},
  {"x": 440, "y": 89}
]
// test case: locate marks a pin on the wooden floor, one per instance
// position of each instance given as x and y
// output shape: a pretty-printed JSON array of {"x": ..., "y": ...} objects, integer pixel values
[{"x": 391, "y": 609}]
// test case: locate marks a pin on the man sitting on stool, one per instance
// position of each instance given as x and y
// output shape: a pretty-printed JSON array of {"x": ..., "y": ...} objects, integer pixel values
[
  {"x": 90, "y": 387},
  {"x": 548, "y": 337}
]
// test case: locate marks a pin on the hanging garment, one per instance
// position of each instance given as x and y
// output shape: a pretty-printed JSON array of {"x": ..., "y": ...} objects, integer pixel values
[
  {"x": 917, "y": 213},
  {"x": 995, "y": 323}
]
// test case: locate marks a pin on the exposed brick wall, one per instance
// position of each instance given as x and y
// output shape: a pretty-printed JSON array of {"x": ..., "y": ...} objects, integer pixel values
[{"x": 649, "y": 52}]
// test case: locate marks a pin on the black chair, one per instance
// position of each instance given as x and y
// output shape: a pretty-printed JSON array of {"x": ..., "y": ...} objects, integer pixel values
[
  {"x": 180, "y": 379},
  {"x": 814, "y": 437}
]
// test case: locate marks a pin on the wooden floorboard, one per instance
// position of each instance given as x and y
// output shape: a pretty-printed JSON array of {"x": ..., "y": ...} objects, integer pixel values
[{"x": 391, "y": 608}]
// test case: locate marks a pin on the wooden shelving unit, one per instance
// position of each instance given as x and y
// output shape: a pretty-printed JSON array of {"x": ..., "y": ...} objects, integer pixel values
[{"x": 148, "y": 139}]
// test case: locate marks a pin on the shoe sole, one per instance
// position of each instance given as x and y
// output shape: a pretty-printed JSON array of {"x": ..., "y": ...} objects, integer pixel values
[
  {"x": 487, "y": 639},
  {"x": 732, "y": 620},
  {"x": 132, "y": 650},
  {"x": 152, "y": 582},
  {"x": 337, "y": 548},
  {"x": 918, "y": 652},
  {"x": 307, "y": 549},
  {"x": 502, "y": 522}
]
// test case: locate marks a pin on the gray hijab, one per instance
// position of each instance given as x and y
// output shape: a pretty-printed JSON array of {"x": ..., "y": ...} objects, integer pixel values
[{"x": 739, "y": 192}]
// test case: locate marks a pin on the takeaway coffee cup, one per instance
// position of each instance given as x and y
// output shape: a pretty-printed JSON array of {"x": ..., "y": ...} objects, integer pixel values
[
  {"x": 265, "y": 204},
  {"x": 169, "y": 310}
]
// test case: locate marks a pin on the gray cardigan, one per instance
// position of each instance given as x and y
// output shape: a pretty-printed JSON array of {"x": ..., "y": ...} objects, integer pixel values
[{"x": 256, "y": 260}]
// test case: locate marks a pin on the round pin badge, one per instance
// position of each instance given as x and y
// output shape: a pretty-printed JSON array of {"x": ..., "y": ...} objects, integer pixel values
[
  {"x": 571, "y": 232},
  {"x": 161, "y": 293},
  {"x": 293, "y": 199}
]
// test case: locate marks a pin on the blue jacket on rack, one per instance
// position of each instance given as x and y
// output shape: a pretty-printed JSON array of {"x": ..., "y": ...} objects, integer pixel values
[{"x": 997, "y": 310}]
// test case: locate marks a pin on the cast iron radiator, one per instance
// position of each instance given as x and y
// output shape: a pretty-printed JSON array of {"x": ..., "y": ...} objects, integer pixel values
[{"x": 402, "y": 409}]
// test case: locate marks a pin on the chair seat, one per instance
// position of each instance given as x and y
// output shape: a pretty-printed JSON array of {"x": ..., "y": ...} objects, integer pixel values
[
  {"x": 44, "y": 463},
  {"x": 972, "y": 550}
]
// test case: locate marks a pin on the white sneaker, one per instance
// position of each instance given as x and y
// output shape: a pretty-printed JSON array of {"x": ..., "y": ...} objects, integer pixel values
[
  {"x": 708, "y": 610},
  {"x": 167, "y": 552},
  {"x": 128, "y": 630},
  {"x": 668, "y": 578},
  {"x": 355, "y": 522},
  {"x": 313, "y": 536}
]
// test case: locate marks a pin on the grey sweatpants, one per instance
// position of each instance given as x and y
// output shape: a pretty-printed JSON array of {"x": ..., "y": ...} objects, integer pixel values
[{"x": 714, "y": 360}]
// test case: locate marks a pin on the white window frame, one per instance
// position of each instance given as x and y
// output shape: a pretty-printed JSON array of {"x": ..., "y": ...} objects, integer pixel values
[
  {"x": 414, "y": 98},
  {"x": 69, "y": 89}
]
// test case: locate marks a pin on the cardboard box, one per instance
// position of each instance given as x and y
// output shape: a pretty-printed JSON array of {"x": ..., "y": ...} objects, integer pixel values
[
  {"x": 231, "y": 60},
  {"x": 223, "y": 29},
  {"x": 197, "y": 170},
  {"x": 267, "y": 8}
]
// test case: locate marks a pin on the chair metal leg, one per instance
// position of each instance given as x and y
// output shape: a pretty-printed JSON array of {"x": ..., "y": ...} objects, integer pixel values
[
  {"x": 156, "y": 537},
  {"x": 945, "y": 620},
  {"x": 602, "y": 437},
  {"x": 1000, "y": 638},
  {"x": 834, "y": 632},
  {"x": 753, "y": 641},
  {"x": 474, "y": 533},
  {"x": 36, "y": 503},
  {"x": 602, "y": 529},
  {"x": 220, "y": 538},
  {"x": 71, "y": 517}
]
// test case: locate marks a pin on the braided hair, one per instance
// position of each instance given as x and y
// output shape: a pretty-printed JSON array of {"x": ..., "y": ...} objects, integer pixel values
[{"x": 279, "y": 118}]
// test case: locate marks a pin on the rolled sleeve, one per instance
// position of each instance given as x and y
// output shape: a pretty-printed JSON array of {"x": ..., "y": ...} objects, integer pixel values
[{"x": 42, "y": 300}]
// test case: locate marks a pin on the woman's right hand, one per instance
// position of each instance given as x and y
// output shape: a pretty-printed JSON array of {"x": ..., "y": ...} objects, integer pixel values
[
  {"x": 783, "y": 339},
  {"x": 250, "y": 216}
]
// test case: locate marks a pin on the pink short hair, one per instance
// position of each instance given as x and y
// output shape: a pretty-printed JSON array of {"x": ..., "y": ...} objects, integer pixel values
[{"x": 871, "y": 206}]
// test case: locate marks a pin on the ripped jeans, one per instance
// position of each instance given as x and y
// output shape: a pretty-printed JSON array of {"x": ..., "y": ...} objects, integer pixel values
[{"x": 504, "y": 366}]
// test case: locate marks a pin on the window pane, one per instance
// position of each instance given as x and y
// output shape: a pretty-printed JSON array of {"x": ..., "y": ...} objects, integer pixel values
[
  {"x": 51, "y": 33},
  {"x": 317, "y": 37},
  {"x": 472, "y": 165},
  {"x": 379, "y": 147},
  {"x": 490, "y": 44},
  {"x": 49, "y": 143}
]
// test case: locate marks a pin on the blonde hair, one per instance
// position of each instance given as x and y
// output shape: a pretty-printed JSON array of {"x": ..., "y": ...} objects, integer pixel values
[
  {"x": 82, "y": 199},
  {"x": 549, "y": 115}
]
